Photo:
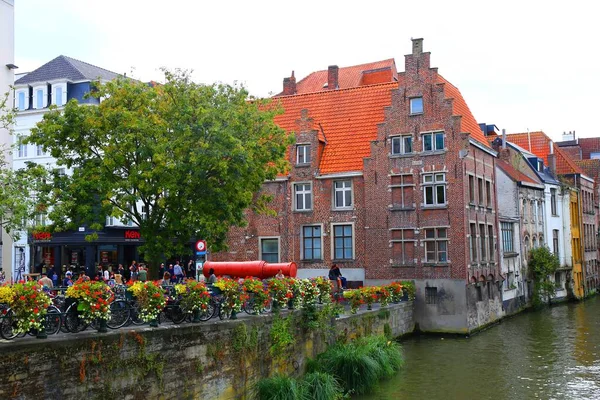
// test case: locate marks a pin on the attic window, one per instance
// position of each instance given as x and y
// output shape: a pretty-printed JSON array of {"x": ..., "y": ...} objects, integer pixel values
[
  {"x": 540, "y": 166},
  {"x": 416, "y": 105}
]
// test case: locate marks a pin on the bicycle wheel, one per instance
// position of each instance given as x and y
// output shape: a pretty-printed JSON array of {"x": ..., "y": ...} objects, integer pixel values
[
  {"x": 224, "y": 312},
  {"x": 207, "y": 314},
  {"x": 178, "y": 314},
  {"x": 268, "y": 307},
  {"x": 53, "y": 320},
  {"x": 248, "y": 306},
  {"x": 8, "y": 326},
  {"x": 119, "y": 314},
  {"x": 73, "y": 323},
  {"x": 134, "y": 313}
]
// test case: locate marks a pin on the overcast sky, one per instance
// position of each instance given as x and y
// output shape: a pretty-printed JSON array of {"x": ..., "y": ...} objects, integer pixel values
[{"x": 519, "y": 64}]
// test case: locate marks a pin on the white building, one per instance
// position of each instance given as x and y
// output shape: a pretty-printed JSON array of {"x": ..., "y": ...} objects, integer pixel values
[{"x": 7, "y": 66}]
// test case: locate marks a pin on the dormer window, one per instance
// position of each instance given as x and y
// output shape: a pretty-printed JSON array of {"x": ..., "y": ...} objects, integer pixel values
[
  {"x": 40, "y": 97},
  {"x": 540, "y": 166},
  {"x": 21, "y": 100},
  {"x": 416, "y": 105},
  {"x": 303, "y": 154},
  {"x": 59, "y": 94}
]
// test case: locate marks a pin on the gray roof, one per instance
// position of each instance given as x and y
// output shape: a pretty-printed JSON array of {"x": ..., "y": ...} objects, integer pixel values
[{"x": 63, "y": 67}]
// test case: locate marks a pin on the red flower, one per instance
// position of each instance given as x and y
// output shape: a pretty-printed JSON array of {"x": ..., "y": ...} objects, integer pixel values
[
  {"x": 36, "y": 310},
  {"x": 22, "y": 298}
]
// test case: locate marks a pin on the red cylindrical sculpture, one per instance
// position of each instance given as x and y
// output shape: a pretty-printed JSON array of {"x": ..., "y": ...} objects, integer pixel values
[{"x": 242, "y": 269}]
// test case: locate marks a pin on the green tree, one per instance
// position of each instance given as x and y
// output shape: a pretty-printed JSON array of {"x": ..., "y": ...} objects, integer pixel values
[
  {"x": 180, "y": 160},
  {"x": 543, "y": 263}
]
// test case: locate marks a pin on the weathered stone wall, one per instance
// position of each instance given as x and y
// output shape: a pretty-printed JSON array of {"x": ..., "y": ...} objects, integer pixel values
[{"x": 214, "y": 360}]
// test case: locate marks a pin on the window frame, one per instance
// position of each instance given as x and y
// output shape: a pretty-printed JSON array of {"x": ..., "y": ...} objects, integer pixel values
[
  {"x": 482, "y": 242},
  {"x": 473, "y": 243},
  {"x": 25, "y": 93},
  {"x": 402, "y": 186},
  {"x": 491, "y": 243},
  {"x": 403, "y": 242},
  {"x": 303, "y": 151},
  {"x": 36, "y": 97},
  {"x": 260, "y": 247},
  {"x": 334, "y": 247},
  {"x": 488, "y": 193},
  {"x": 507, "y": 229},
  {"x": 343, "y": 190},
  {"x": 480, "y": 192},
  {"x": 411, "y": 108},
  {"x": 304, "y": 192},
  {"x": 312, "y": 238},
  {"x": 433, "y": 135},
  {"x": 400, "y": 139},
  {"x": 471, "y": 183},
  {"x": 436, "y": 240},
  {"x": 434, "y": 185},
  {"x": 21, "y": 147}
]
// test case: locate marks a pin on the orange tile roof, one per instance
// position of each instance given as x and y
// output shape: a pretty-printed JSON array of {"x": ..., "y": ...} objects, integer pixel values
[
  {"x": 349, "y": 77},
  {"x": 348, "y": 117},
  {"x": 468, "y": 122},
  {"x": 540, "y": 146},
  {"x": 515, "y": 174}
]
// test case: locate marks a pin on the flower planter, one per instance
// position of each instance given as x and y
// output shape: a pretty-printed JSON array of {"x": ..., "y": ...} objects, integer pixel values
[
  {"x": 102, "y": 328},
  {"x": 154, "y": 323},
  {"x": 196, "y": 316}
]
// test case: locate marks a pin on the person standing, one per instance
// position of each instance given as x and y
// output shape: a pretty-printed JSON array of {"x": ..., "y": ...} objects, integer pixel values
[
  {"x": 142, "y": 273},
  {"x": 68, "y": 281},
  {"x": 178, "y": 272},
  {"x": 105, "y": 274},
  {"x": 134, "y": 271},
  {"x": 190, "y": 270},
  {"x": 212, "y": 278}
]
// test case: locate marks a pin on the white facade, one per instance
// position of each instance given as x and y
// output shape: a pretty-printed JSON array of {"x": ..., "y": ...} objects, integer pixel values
[
  {"x": 7, "y": 57},
  {"x": 557, "y": 222}
]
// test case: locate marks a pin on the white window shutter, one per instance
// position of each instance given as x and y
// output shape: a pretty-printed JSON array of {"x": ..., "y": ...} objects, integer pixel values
[{"x": 34, "y": 96}]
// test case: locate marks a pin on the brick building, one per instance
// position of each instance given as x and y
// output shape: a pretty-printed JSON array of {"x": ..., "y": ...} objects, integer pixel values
[{"x": 389, "y": 174}]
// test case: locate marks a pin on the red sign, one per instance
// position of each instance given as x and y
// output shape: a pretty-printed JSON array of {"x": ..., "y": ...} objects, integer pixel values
[
  {"x": 201, "y": 245},
  {"x": 132, "y": 235},
  {"x": 42, "y": 236}
]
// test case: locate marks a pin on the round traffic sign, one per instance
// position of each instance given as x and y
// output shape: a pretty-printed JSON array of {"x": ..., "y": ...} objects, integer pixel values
[{"x": 201, "y": 245}]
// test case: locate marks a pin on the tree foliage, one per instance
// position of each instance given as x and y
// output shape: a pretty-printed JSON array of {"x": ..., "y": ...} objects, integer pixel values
[
  {"x": 543, "y": 263},
  {"x": 180, "y": 160}
]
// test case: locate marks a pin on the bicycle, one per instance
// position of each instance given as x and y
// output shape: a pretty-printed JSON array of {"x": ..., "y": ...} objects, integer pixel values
[
  {"x": 8, "y": 326},
  {"x": 250, "y": 306}
]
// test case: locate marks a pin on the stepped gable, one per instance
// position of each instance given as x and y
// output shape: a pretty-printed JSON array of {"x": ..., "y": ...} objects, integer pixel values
[
  {"x": 63, "y": 67},
  {"x": 348, "y": 119},
  {"x": 468, "y": 122},
  {"x": 540, "y": 146},
  {"x": 348, "y": 77}
]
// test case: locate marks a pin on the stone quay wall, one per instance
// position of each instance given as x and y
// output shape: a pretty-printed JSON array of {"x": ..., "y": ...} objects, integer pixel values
[{"x": 209, "y": 360}]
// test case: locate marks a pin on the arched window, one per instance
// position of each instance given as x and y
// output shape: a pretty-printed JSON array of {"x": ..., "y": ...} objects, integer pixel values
[
  {"x": 526, "y": 246},
  {"x": 535, "y": 243}
]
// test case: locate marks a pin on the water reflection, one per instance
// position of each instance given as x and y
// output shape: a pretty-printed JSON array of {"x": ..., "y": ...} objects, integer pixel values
[{"x": 549, "y": 354}]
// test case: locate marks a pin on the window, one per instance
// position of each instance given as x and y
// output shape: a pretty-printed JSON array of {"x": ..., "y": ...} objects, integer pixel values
[
  {"x": 58, "y": 95},
  {"x": 22, "y": 147},
  {"x": 433, "y": 141},
  {"x": 303, "y": 196},
  {"x": 535, "y": 242},
  {"x": 488, "y": 194},
  {"x": 553, "y": 207},
  {"x": 540, "y": 166},
  {"x": 40, "y": 219},
  {"x": 431, "y": 295},
  {"x": 269, "y": 249},
  {"x": 61, "y": 172},
  {"x": 110, "y": 221},
  {"x": 402, "y": 191},
  {"x": 40, "y": 150},
  {"x": 403, "y": 246},
  {"x": 21, "y": 101},
  {"x": 144, "y": 213},
  {"x": 342, "y": 242},
  {"x": 434, "y": 186},
  {"x": 416, "y": 105},
  {"x": 482, "y": 243},
  {"x": 39, "y": 98},
  {"x": 491, "y": 252},
  {"x": 473, "y": 242},
  {"x": 436, "y": 245},
  {"x": 507, "y": 237},
  {"x": 557, "y": 279},
  {"x": 480, "y": 191},
  {"x": 555, "y": 242},
  {"x": 471, "y": 189},
  {"x": 311, "y": 242},
  {"x": 303, "y": 154},
  {"x": 342, "y": 194},
  {"x": 402, "y": 144}
]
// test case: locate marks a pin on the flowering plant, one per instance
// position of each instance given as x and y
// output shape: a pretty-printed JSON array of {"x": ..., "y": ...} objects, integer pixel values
[
  {"x": 261, "y": 296},
  {"x": 325, "y": 288},
  {"x": 194, "y": 295},
  {"x": 233, "y": 296},
  {"x": 396, "y": 291},
  {"x": 355, "y": 298},
  {"x": 311, "y": 292},
  {"x": 93, "y": 299},
  {"x": 369, "y": 294},
  {"x": 280, "y": 290},
  {"x": 6, "y": 294},
  {"x": 30, "y": 305},
  {"x": 150, "y": 298},
  {"x": 297, "y": 289},
  {"x": 385, "y": 296}
]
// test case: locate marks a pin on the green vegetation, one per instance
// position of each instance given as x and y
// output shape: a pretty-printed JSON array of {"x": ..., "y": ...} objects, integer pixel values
[
  {"x": 346, "y": 368},
  {"x": 282, "y": 335},
  {"x": 176, "y": 159},
  {"x": 543, "y": 264}
]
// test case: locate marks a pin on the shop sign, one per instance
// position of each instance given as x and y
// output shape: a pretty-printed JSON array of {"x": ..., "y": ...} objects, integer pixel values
[
  {"x": 42, "y": 236},
  {"x": 104, "y": 256},
  {"x": 132, "y": 235},
  {"x": 74, "y": 257}
]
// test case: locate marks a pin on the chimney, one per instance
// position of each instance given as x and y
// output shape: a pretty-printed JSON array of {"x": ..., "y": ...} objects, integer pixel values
[
  {"x": 332, "y": 77},
  {"x": 417, "y": 46},
  {"x": 503, "y": 139},
  {"x": 289, "y": 85}
]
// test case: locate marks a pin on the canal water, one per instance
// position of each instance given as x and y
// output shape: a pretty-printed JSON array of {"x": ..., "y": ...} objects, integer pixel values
[{"x": 548, "y": 354}]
